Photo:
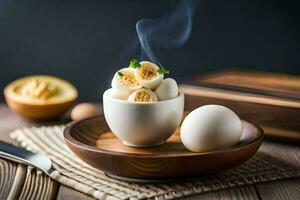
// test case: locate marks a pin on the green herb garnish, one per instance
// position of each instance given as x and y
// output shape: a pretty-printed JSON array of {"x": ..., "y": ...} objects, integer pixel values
[
  {"x": 163, "y": 71},
  {"x": 134, "y": 63},
  {"x": 120, "y": 74}
]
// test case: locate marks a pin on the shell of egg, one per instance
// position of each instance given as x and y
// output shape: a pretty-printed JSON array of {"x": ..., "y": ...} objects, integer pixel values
[
  {"x": 209, "y": 128},
  {"x": 84, "y": 110}
]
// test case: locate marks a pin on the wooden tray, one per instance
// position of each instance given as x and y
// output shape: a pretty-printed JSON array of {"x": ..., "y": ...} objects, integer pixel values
[
  {"x": 92, "y": 141},
  {"x": 268, "y": 99}
]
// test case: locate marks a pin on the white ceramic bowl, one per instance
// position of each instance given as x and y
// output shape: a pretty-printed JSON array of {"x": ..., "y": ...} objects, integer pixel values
[{"x": 143, "y": 124}]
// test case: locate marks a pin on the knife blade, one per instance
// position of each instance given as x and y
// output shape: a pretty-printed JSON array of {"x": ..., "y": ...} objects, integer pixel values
[{"x": 21, "y": 155}]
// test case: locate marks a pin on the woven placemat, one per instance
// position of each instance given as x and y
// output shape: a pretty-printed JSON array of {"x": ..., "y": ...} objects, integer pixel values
[{"x": 73, "y": 172}]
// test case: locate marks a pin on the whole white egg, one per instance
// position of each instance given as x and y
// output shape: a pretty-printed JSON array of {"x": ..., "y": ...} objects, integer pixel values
[
  {"x": 209, "y": 128},
  {"x": 168, "y": 89}
]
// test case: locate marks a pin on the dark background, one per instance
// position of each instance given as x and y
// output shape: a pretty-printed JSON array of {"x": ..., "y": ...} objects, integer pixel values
[{"x": 86, "y": 41}]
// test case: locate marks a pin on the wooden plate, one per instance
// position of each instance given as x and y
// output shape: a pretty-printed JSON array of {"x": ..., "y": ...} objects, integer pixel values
[{"x": 93, "y": 142}]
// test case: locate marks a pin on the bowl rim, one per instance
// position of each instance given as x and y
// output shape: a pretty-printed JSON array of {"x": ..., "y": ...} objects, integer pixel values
[
  {"x": 8, "y": 95},
  {"x": 8, "y": 98},
  {"x": 71, "y": 140},
  {"x": 105, "y": 95}
]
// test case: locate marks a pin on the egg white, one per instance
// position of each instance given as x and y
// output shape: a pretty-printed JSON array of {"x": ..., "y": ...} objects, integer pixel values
[
  {"x": 168, "y": 89},
  {"x": 119, "y": 94},
  {"x": 209, "y": 128},
  {"x": 116, "y": 84}
]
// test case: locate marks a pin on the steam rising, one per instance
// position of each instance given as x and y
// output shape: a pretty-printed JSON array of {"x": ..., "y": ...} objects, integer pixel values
[{"x": 169, "y": 31}]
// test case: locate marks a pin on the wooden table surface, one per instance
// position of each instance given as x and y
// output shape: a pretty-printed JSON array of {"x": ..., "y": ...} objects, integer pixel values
[{"x": 282, "y": 189}]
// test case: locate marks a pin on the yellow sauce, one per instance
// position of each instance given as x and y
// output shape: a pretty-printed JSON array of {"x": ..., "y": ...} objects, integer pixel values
[
  {"x": 41, "y": 90},
  {"x": 38, "y": 89}
]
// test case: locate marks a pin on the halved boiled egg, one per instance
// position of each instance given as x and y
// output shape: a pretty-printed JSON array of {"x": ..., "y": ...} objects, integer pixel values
[
  {"x": 125, "y": 80},
  {"x": 143, "y": 96},
  {"x": 148, "y": 76},
  {"x": 168, "y": 89}
]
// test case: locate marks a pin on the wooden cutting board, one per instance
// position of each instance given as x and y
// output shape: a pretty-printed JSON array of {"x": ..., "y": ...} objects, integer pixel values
[{"x": 270, "y": 100}]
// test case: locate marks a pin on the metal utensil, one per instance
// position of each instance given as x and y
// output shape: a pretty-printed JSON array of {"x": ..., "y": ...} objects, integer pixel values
[{"x": 21, "y": 155}]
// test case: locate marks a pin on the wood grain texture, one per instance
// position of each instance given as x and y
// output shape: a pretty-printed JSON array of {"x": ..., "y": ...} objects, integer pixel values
[
  {"x": 39, "y": 112},
  {"x": 269, "y": 100},
  {"x": 18, "y": 183},
  {"x": 7, "y": 174},
  {"x": 274, "y": 82},
  {"x": 284, "y": 189},
  {"x": 170, "y": 160},
  {"x": 240, "y": 193},
  {"x": 275, "y": 118},
  {"x": 38, "y": 185},
  {"x": 271, "y": 190},
  {"x": 66, "y": 193}
]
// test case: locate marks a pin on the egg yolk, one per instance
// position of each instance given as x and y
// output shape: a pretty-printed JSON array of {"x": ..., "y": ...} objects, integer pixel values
[
  {"x": 128, "y": 79},
  {"x": 143, "y": 96},
  {"x": 147, "y": 72}
]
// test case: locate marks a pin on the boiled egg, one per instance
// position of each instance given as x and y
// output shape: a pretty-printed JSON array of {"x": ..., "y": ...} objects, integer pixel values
[
  {"x": 168, "y": 89},
  {"x": 143, "y": 96},
  {"x": 147, "y": 75},
  {"x": 125, "y": 80},
  {"x": 84, "y": 110},
  {"x": 209, "y": 128},
  {"x": 119, "y": 94}
]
